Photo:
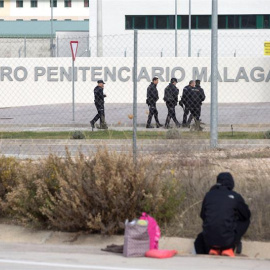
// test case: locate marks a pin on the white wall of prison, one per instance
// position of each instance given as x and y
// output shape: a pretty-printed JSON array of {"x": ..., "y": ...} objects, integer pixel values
[{"x": 40, "y": 81}]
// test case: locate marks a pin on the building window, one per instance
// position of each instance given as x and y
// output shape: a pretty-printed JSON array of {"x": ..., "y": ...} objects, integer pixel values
[
  {"x": 161, "y": 22},
  {"x": 129, "y": 22},
  {"x": 266, "y": 23},
  {"x": 19, "y": 3},
  {"x": 67, "y": 3},
  {"x": 171, "y": 22},
  {"x": 54, "y": 3},
  {"x": 248, "y": 22},
  {"x": 86, "y": 3},
  {"x": 233, "y": 22},
  {"x": 197, "y": 22},
  {"x": 204, "y": 22},
  {"x": 151, "y": 22},
  {"x": 34, "y": 3},
  {"x": 140, "y": 22},
  {"x": 222, "y": 22},
  {"x": 184, "y": 22},
  {"x": 1, "y": 3}
]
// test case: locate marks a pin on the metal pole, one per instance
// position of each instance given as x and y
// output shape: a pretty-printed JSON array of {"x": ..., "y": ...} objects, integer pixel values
[
  {"x": 135, "y": 74},
  {"x": 175, "y": 45},
  {"x": 88, "y": 50},
  {"x": 189, "y": 30},
  {"x": 214, "y": 76},
  {"x": 57, "y": 47},
  {"x": 73, "y": 92},
  {"x": 51, "y": 28},
  {"x": 24, "y": 47},
  {"x": 99, "y": 29}
]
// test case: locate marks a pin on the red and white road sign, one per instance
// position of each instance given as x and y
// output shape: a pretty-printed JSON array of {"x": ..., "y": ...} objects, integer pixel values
[{"x": 74, "y": 48}]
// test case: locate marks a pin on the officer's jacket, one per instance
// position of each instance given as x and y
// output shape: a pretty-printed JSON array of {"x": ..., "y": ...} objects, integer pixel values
[
  {"x": 171, "y": 94},
  {"x": 152, "y": 94},
  {"x": 99, "y": 96},
  {"x": 187, "y": 96}
]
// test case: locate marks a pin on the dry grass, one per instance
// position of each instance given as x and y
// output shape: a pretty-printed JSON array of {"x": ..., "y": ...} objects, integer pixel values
[{"x": 97, "y": 193}]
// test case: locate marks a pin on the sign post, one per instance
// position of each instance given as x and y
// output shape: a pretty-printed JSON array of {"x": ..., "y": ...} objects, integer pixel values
[
  {"x": 267, "y": 48},
  {"x": 74, "y": 49}
]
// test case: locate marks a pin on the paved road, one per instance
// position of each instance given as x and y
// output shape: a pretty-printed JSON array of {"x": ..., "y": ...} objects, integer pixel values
[
  {"x": 54, "y": 257},
  {"x": 39, "y": 148},
  {"x": 117, "y": 114}
]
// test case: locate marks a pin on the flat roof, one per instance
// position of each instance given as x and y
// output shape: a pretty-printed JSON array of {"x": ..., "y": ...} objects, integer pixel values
[{"x": 39, "y": 28}]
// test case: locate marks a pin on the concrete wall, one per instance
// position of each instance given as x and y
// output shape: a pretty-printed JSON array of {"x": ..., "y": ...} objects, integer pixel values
[{"x": 41, "y": 81}]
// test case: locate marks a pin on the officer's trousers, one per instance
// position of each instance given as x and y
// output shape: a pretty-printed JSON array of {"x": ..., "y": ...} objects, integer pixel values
[
  {"x": 171, "y": 114},
  {"x": 152, "y": 112},
  {"x": 101, "y": 113}
]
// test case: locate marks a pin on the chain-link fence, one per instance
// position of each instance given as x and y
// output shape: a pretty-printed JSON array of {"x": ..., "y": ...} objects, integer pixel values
[{"x": 36, "y": 90}]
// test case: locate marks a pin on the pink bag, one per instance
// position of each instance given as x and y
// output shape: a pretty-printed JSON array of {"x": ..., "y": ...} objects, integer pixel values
[{"x": 153, "y": 230}]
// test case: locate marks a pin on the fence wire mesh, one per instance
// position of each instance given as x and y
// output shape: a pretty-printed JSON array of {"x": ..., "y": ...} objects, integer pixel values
[{"x": 36, "y": 89}]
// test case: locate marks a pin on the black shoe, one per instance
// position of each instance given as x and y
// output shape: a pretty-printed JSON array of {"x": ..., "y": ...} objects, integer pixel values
[
  {"x": 92, "y": 124},
  {"x": 185, "y": 125},
  {"x": 178, "y": 125},
  {"x": 167, "y": 127},
  {"x": 149, "y": 126},
  {"x": 159, "y": 125},
  {"x": 239, "y": 248}
]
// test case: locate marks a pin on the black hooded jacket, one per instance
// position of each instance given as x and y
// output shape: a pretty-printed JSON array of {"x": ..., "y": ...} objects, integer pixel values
[{"x": 221, "y": 210}]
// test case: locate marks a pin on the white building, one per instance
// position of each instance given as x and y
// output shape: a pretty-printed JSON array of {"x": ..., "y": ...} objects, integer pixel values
[
  {"x": 243, "y": 24},
  {"x": 41, "y": 9}
]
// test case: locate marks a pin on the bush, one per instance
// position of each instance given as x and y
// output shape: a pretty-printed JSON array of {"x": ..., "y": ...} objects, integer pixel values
[
  {"x": 95, "y": 194},
  {"x": 267, "y": 134},
  {"x": 78, "y": 135},
  {"x": 173, "y": 134}
]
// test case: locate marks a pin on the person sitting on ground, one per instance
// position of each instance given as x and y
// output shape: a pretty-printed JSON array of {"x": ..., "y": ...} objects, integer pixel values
[{"x": 226, "y": 218}]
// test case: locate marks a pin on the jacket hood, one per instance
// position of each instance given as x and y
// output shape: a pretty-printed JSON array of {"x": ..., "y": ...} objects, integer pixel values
[{"x": 225, "y": 179}]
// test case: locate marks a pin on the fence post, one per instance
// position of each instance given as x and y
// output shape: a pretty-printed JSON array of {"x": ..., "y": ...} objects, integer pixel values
[
  {"x": 214, "y": 76},
  {"x": 135, "y": 75},
  {"x": 24, "y": 47}
]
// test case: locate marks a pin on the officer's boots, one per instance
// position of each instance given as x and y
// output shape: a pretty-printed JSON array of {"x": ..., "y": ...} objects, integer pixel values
[{"x": 103, "y": 124}]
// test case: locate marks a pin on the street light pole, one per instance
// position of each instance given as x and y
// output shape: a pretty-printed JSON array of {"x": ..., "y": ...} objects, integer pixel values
[
  {"x": 189, "y": 30},
  {"x": 51, "y": 28},
  {"x": 176, "y": 29}
]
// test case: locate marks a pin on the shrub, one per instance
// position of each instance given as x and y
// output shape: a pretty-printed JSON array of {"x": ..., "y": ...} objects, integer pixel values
[
  {"x": 78, "y": 135},
  {"x": 267, "y": 134},
  {"x": 172, "y": 134},
  {"x": 95, "y": 194}
]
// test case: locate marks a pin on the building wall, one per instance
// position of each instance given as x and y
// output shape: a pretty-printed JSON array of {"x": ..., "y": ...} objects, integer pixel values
[
  {"x": 43, "y": 11},
  {"x": 114, "y": 12}
]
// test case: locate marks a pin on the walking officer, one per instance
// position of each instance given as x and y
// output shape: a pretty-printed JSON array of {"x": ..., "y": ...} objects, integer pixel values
[
  {"x": 171, "y": 99},
  {"x": 186, "y": 103},
  {"x": 202, "y": 95},
  {"x": 99, "y": 103},
  {"x": 151, "y": 101}
]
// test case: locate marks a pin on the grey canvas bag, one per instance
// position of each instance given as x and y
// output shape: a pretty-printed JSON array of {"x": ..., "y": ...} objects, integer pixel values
[{"x": 136, "y": 240}]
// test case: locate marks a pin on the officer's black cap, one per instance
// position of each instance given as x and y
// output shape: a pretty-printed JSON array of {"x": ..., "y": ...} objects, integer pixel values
[
  {"x": 100, "y": 81},
  {"x": 198, "y": 82},
  {"x": 174, "y": 80}
]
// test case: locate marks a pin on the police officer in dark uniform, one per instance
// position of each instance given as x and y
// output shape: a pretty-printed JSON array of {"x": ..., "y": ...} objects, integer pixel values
[
  {"x": 171, "y": 99},
  {"x": 202, "y": 95},
  {"x": 99, "y": 103},
  {"x": 151, "y": 101},
  {"x": 186, "y": 103}
]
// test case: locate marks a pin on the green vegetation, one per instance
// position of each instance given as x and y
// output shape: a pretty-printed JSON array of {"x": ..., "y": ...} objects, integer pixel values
[{"x": 114, "y": 134}]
